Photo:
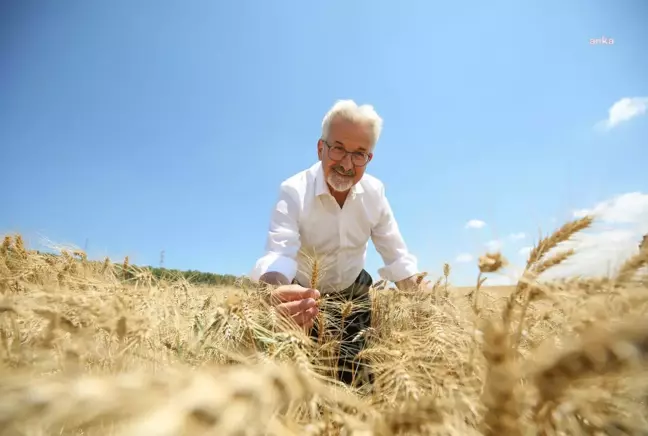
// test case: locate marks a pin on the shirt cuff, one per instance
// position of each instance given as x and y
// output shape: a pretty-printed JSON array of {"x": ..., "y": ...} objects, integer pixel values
[
  {"x": 276, "y": 263},
  {"x": 400, "y": 269}
]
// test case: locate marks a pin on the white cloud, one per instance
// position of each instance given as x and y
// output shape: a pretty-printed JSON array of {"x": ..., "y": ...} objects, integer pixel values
[
  {"x": 624, "y": 110},
  {"x": 494, "y": 245},
  {"x": 464, "y": 258},
  {"x": 619, "y": 226},
  {"x": 625, "y": 209},
  {"x": 475, "y": 224},
  {"x": 517, "y": 236},
  {"x": 524, "y": 251},
  {"x": 580, "y": 213}
]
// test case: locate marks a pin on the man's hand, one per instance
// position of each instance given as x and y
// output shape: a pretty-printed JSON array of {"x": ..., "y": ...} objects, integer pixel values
[
  {"x": 296, "y": 302},
  {"x": 409, "y": 284}
]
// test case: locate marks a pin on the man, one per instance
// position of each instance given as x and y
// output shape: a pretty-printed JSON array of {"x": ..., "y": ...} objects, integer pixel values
[{"x": 330, "y": 211}]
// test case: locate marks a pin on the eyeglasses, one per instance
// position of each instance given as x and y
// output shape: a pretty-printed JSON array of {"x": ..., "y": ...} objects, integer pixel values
[{"x": 337, "y": 153}]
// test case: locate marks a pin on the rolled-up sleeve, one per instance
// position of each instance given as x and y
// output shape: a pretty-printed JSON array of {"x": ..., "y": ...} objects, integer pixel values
[
  {"x": 399, "y": 262},
  {"x": 283, "y": 242}
]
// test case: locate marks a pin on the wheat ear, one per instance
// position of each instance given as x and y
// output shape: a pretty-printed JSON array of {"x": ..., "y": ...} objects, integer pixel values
[
  {"x": 536, "y": 263},
  {"x": 600, "y": 352}
]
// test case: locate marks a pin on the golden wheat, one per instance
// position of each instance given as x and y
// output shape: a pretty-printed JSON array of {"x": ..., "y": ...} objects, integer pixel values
[{"x": 96, "y": 348}]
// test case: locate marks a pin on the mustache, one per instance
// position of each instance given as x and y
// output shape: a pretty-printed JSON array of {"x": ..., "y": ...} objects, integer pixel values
[{"x": 340, "y": 170}]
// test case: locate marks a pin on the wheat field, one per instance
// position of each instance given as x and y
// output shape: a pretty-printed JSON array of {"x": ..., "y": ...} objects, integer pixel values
[{"x": 102, "y": 348}]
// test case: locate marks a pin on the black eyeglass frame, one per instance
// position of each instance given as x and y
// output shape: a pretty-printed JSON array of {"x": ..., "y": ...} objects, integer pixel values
[{"x": 364, "y": 156}]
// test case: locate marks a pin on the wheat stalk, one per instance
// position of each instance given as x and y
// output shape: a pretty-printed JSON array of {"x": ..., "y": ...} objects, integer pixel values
[{"x": 83, "y": 351}]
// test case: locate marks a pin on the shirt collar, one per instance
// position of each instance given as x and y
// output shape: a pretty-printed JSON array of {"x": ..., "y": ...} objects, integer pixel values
[{"x": 321, "y": 187}]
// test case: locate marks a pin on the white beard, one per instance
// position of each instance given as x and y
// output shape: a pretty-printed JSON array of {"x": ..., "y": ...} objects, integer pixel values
[{"x": 339, "y": 182}]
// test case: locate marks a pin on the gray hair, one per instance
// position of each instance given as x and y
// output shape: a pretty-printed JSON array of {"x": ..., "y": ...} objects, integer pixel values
[{"x": 350, "y": 111}]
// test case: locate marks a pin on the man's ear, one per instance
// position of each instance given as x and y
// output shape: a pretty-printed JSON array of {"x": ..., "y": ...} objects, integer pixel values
[{"x": 319, "y": 149}]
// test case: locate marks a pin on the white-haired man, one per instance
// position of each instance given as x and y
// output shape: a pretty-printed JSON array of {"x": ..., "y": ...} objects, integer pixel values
[{"x": 330, "y": 211}]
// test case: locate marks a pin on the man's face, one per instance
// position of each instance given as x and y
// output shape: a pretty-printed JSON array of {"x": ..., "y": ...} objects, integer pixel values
[{"x": 341, "y": 173}]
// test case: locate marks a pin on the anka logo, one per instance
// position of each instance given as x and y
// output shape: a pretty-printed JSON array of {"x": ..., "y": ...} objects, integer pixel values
[{"x": 604, "y": 40}]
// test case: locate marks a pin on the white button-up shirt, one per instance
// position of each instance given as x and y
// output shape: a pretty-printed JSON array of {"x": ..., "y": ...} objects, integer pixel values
[{"x": 307, "y": 222}]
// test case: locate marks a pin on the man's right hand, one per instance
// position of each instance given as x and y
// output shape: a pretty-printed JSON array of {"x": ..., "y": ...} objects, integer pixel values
[{"x": 297, "y": 303}]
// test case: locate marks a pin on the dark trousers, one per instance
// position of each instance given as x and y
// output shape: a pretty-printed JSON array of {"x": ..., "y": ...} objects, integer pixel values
[{"x": 352, "y": 325}]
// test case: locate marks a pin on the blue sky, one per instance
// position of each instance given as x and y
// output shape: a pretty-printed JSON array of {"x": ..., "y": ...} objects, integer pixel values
[{"x": 155, "y": 125}]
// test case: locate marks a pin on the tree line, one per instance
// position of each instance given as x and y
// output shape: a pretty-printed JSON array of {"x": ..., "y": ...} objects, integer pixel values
[
  {"x": 194, "y": 276},
  {"x": 161, "y": 273}
]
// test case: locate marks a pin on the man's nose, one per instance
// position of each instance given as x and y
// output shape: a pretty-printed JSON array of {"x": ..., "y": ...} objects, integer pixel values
[{"x": 347, "y": 163}]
